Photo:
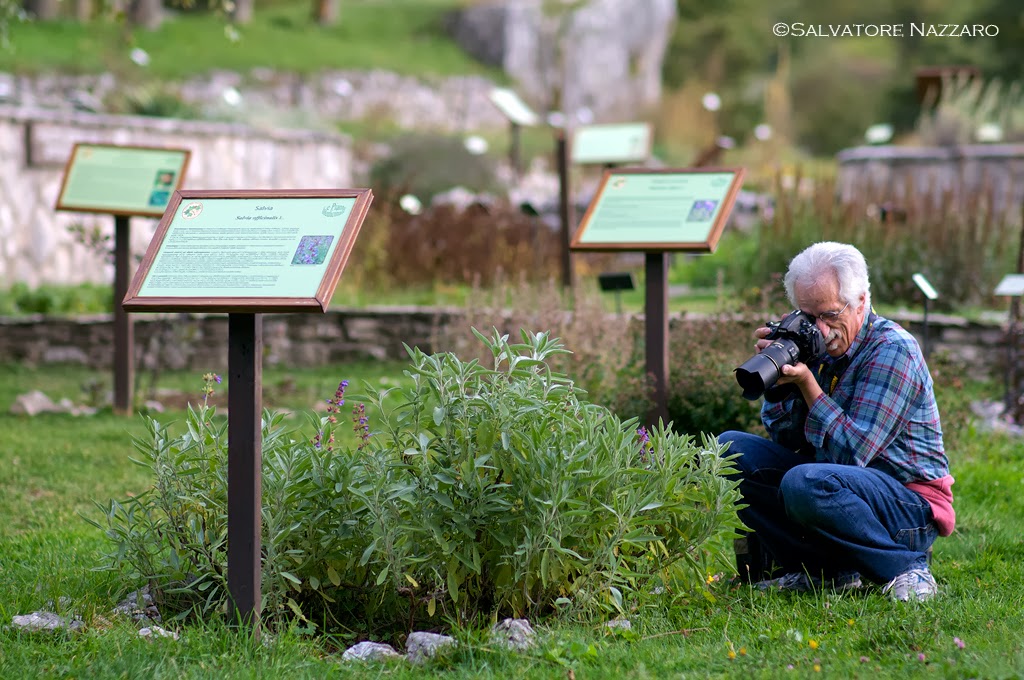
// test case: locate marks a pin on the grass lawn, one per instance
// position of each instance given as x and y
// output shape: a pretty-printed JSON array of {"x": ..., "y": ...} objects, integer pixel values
[
  {"x": 404, "y": 36},
  {"x": 56, "y": 465}
]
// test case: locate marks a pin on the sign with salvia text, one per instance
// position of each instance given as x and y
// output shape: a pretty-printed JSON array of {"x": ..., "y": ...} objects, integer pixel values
[
  {"x": 659, "y": 210},
  {"x": 249, "y": 250},
  {"x": 121, "y": 180}
]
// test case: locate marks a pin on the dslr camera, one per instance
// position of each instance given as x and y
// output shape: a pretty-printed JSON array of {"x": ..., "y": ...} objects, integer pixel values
[{"x": 795, "y": 339}]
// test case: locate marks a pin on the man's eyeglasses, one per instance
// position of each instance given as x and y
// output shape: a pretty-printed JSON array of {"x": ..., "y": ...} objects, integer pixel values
[{"x": 829, "y": 317}]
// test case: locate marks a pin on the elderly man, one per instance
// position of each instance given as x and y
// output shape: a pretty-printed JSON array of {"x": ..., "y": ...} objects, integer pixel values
[{"x": 854, "y": 480}]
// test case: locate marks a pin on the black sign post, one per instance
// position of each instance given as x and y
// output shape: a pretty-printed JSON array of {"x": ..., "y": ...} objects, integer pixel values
[{"x": 245, "y": 462}]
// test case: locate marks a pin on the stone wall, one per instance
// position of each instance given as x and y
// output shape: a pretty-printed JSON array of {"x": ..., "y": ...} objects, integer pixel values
[
  {"x": 35, "y": 244},
  {"x": 199, "y": 342},
  {"x": 892, "y": 172},
  {"x": 283, "y": 99}
]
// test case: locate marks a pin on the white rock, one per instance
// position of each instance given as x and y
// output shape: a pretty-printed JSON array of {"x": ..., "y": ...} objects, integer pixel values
[
  {"x": 619, "y": 624},
  {"x": 139, "y": 606},
  {"x": 421, "y": 646},
  {"x": 32, "y": 404},
  {"x": 369, "y": 651},
  {"x": 157, "y": 631},
  {"x": 513, "y": 633},
  {"x": 45, "y": 621}
]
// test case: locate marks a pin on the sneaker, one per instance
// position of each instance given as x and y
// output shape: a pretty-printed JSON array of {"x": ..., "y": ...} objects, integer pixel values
[
  {"x": 801, "y": 582},
  {"x": 916, "y": 584}
]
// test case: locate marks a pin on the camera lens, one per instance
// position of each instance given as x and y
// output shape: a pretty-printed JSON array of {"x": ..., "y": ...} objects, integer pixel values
[{"x": 762, "y": 370}]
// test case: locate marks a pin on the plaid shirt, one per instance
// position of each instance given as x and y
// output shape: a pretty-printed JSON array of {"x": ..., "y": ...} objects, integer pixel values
[{"x": 878, "y": 409}]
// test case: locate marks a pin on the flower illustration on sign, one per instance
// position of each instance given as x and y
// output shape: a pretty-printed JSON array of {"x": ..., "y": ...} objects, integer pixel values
[{"x": 312, "y": 250}]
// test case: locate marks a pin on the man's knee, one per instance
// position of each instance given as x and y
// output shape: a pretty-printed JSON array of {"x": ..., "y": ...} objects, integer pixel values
[
  {"x": 737, "y": 442},
  {"x": 807, "y": 491},
  {"x": 730, "y": 438}
]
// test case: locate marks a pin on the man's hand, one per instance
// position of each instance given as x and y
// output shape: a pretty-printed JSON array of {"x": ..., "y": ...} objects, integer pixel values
[
  {"x": 761, "y": 334},
  {"x": 797, "y": 374}
]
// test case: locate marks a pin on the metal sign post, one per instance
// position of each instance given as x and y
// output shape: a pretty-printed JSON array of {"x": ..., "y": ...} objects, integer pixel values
[
  {"x": 1012, "y": 286},
  {"x": 929, "y": 294},
  {"x": 566, "y": 212}
]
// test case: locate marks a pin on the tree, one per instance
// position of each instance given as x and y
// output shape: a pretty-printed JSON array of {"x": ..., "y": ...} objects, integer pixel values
[
  {"x": 240, "y": 11},
  {"x": 325, "y": 12},
  {"x": 42, "y": 10},
  {"x": 148, "y": 14}
]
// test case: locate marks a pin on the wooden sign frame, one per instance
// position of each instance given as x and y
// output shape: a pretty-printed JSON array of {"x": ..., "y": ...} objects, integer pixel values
[
  {"x": 725, "y": 202},
  {"x": 135, "y": 301},
  {"x": 76, "y": 155}
]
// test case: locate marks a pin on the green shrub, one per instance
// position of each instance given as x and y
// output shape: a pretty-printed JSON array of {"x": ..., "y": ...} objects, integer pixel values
[
  {"x": 735, "y": 251},
  {"x": 428, "y": 164},
  {"x": 85, "y": 298},
  {"x": 703, "y": 394},
  {"x": 606, "y": 357},
  {"x": 156, "y": 99},
  {"x": 607, "y": 354},
  {"x": 483, "y": 491},
  {"x": 847, "y": 94}
]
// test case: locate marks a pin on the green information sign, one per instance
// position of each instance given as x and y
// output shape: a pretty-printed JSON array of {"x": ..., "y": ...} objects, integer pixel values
[
  {"x": 659, "y": 210},
  {"x": 258, "y": 251},
  {"x": 616, "y": 143},
  {"x": 121, "y": 180}
]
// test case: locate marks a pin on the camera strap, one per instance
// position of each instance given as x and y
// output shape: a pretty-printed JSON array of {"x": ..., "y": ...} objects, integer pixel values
[{"x": 830, "y": 372}]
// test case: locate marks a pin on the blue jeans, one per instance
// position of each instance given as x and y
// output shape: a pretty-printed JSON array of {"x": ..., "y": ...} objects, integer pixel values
[{"x": 824, "y": 518}]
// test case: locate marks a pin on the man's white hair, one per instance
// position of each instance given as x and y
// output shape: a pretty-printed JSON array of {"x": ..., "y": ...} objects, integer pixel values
[{"x": 841, "y": 260}]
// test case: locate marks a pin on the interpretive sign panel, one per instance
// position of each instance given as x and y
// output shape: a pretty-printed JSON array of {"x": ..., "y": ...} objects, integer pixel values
[
  {"x": 121, "y": 180},
  {"x": 659, "y": 210},
  {"x": 249, "y": 250},
  {"x": 616, "y": 143}
]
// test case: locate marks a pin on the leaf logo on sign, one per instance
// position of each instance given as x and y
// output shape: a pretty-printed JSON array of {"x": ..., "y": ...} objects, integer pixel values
[
  {"x": 192, "y": 210},
  {"x": 334, "y": 210}
]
